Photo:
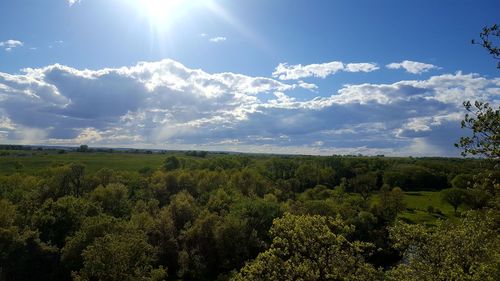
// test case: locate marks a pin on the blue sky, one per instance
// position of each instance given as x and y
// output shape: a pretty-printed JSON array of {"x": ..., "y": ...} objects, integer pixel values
[{"x": 287, "y": 76}]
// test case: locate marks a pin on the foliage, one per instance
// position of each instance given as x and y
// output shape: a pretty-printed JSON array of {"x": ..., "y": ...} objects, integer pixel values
[
  {"x": 484, "y": 121},
  {"x": 113, "y": 199},
  {"x": 391, "y": 203},
  {"x": 209, "y": 216},
  {"x": 454, "y": 196},
  {"x": 310, "y": 248},
  {"x": 468, "y": 250},
  {"x": 489, "y": 43},
  {"x": 57, "y": 219},
  {"x": 119, "y": 257},
  {"x": 171, "y": 163}
]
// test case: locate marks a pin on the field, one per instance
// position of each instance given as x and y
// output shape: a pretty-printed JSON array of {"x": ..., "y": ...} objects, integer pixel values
[
  {"x": 418, "y": 203},
  {"x": 31, "y": 162}
]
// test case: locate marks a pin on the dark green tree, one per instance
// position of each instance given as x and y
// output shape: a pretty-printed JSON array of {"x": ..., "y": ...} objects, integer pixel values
[
  {"x": 454, "y": 196},
  {"x": 364, "y": 184},
  {"x": 171, "y": 163}
]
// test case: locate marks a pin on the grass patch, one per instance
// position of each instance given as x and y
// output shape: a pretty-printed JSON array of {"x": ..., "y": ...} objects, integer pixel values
[{"x": 426, "y": 207}]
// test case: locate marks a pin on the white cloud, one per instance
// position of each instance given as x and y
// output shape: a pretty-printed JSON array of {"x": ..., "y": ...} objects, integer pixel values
[
  {"x": 361, "y": 67},
  {"x": 293, "y": 72},
  {"x": 308, "y": 86},
  {"x": 217, "y": 39},
  {"x": 165, "y": 104},
  {"x": 73, "y": 2},
  {"x": 412, "y": 66},
  {"x": 10, "y": 44}
]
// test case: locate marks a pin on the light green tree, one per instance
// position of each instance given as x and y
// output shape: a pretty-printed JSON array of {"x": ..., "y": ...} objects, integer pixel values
[
  {"x": 310, "y": 248},
  {"x": 119, "y": 257},
  {"x": 468, "y": 250}
]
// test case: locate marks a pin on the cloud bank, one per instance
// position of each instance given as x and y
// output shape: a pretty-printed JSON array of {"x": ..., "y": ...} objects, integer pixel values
[{"x": 167, "y": 105}]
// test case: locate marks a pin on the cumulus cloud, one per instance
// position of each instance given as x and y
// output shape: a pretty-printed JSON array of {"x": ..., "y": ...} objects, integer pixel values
[
  {"x": 293, "y": 72},
  {"x": 10, "y": 44},
  {"x": 217, "y": 39},
  {"x": 413, "y": 67},
  {"x": 165, "y": 104}
]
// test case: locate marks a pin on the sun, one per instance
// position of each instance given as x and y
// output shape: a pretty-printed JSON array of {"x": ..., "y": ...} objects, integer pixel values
[
  {"x": 162, "y": 14},
  {"x": 161, "y": 10}
]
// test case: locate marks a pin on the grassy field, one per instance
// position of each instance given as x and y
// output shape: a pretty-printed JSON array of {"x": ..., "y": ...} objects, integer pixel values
[
  {"x": 420, "y": 203},
  {"x": 417, "y": 204},
  {"x": 33, "y": 161}
]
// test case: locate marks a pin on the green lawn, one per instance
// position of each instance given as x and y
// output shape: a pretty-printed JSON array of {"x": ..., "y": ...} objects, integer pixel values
[{"x": 417, "y": 204}]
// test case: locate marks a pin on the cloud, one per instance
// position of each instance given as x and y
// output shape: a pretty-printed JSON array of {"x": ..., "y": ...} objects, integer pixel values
[
  {"x": 165, "y": 104},
  {"x": 73, "y": 2},
  {"x": 308, "y": 86},
  {"x": 293, "y": 72},
  {"x": 217, "y": 39},
  {"x": 10, "y": 44},
  {"x": 412, "y": 66},
  {"x": 360, "y": 67}
]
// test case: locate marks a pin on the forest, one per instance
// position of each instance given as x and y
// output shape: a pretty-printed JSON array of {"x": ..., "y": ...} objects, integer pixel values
[{"x": 90, "y": 214}]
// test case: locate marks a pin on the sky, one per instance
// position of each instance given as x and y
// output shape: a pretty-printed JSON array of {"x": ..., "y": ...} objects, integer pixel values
[{"x": 315, "y": 77}]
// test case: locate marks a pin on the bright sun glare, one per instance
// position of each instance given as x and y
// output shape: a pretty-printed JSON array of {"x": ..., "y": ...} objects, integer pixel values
[{"x": 160, "y": 11}]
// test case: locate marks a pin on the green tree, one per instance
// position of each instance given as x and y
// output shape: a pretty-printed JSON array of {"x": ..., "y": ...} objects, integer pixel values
[
  {"x": 463, "y": 181},
  {"x": 198, "y": 259},
  {"x": 22, "y": 255},
  {"x": 467, "y": 250},
  {"x": 310, "y": 248},
  {"x": 58, "y": 219},
  {"x": 183, "y": 209},
  {"x": 484, "y": 121},
  {"x": 83, "y": 148},
  {"x": 91, "y": 229},
  {"x": 391, "y": 203},
  {"x": 163, "y": 236},
  {"x": 65, "y": 180},
  {"x": 454, "y": 196},
  {"x": 364, "y": 184},
  {"x": 113, "y": 199},
  {"x": 307, "y": 174},
  {"x": 119, "y": 257},
  {"x": 171, "y": 163}
]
